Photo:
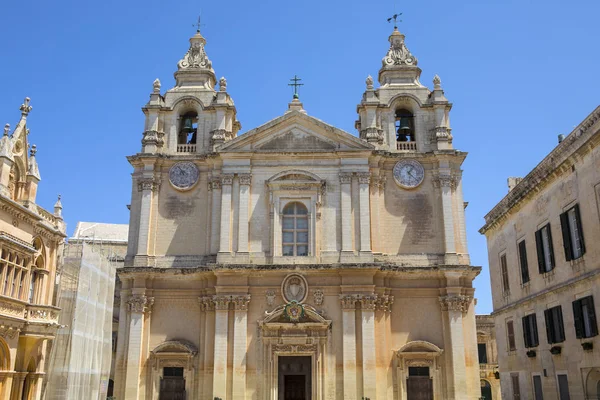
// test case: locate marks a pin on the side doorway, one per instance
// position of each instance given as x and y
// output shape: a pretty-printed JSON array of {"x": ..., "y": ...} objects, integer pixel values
[
  {"x": 172, "y": 384},
  {"x": 419, "y": 385}
]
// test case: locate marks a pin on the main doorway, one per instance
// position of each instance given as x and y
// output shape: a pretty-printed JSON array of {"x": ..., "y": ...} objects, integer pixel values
[
  {"x": 419, "y": 384},
  {"x": 294, "y": 378},
  {"x": 172, "y": 384}
]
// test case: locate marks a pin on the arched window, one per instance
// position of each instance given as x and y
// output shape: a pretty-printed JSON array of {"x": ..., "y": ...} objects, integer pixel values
[
  {"x": 405, "y": 126},
  {"x": 188, "y": 128},
  {"x": 295, "y": 230},
  {"x": 32, "y": 286}
]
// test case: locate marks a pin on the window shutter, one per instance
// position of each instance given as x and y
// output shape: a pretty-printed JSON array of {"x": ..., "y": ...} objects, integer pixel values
[
  {"x": 551, "y": 246},
  {"x": 566, "y": 235},
  {"x": 526, "y": 332},
  {"x": 523, "y": 260},
  {"x": 548, "y": 318},
  {"x": 535, "y": 338},
  {"x": 561, "y": 325},
  {"x": 592, "y": 315},
  {"x": 578, "y": 319},
  {"x": 540, "y": 251},
  {"x": 580, "y": 228},
  {"x": 511, "y": 335}
]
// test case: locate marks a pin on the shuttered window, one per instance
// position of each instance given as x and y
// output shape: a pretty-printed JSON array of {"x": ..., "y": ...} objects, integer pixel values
[
  {"x": 516, "y": 388},
  {"x": 510, "y": 330},
  {"x": 563, "y": 387},
  {"x": 504, "y": 270},
  {"x": 530, "y": 332},
  {"x": 538, "y": 394},
  {"x": 584, "y": 316},
  {"x": 482, "y": 351},
  {"x": 572, "y": 233},
  {"x": 555, "y": 330},
  {"x": 545, "y": 250},
  {"x": 523, "y": 262}
]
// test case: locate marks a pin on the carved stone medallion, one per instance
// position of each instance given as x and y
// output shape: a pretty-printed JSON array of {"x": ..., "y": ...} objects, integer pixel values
[
  {"x": 294, "y": 288},
  {"x": 184, "y": 175},
  {"x": 408, "y": 173}
]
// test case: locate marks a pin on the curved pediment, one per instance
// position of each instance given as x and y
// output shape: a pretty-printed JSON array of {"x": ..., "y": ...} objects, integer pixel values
[
  {"x": 176, "y": 346},
  {"x": 420, "y": 346},
  {"x": 294, "y": 175},
  {"x": 277, "y": 317}
]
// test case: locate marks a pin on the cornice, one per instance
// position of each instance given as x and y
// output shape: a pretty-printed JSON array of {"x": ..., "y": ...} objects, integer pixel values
[{"x": 37, "y": 221}]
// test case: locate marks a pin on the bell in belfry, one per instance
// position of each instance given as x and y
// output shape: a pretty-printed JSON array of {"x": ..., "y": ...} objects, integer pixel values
[
  {"x": 187, "y": 126},
  {"x": 404, "y": 125}
]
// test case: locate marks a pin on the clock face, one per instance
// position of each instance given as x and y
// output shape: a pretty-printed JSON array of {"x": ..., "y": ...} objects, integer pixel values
[
  {"x": 184, "y": 175},
  {"x": 409, "y": 173}
]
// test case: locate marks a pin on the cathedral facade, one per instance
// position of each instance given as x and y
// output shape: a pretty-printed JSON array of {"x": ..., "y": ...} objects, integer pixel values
[{"x": 296, "y": 260}]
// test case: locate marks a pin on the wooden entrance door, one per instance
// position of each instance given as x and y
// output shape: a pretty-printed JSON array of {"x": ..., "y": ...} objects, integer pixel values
[
  {"x": 419, "y": 388},
  {"x": 172, "y": 384},
  {"x": 294, "y": 387}
]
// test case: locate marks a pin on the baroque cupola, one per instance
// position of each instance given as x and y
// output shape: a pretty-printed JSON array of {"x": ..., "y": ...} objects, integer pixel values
[
  {"x": 193, "y": 116},
  {"x": 402, "y": 115}
]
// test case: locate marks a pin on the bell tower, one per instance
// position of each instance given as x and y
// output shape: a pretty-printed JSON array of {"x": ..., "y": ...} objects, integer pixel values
[
  {"x": 192, "y": 117},
  {"x": 402, "y": 114}
]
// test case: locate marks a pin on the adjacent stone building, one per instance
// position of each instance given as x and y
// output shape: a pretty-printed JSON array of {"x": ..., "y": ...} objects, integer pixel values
[
  {"x": 545, "y": 273},
  {"x": 488, "y": 357},
  {"x": 88, "y": 320},
  {"x": 31, "y": 240},
  {"x": 297, "y": 260}
]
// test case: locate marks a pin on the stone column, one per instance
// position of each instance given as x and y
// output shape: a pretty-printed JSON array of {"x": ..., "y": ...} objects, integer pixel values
[
  {"x": 385, "y": 373},
  {"x": 365, "y": 213},
  {"x": 240, "y": 346},
  {"x": 349, "y": 345},
  {"x": 215, "y": 222},
  {"x": 220, "y": 347},
  {"x": 447, "y": 183},
  {"x": 245, "y": 180},
  {"x": 209, "y": 347},
  {"x": 369, "y": 357},
  {"x": 138, "y": 304},
  {"x": 453, "y": 307},
  {"x": 374, "y": 206},
  {"x": 146, "y": 186},
  {"x": 225, "y": 244},
  {"x": 346, "y": 210},
  {"x": 20, "y": 383}
]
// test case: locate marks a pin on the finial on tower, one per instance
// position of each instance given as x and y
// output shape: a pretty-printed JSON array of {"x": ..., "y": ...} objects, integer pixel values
[
  {"x": 369, "y": 82},
  {"x": 156, "y": 85},
  {"x": 198, "y": 24},
  {"x": 222, "y": 84},
  {"x": 25, "y": 107},
  {"x": 6, "y": 129},
  {"x": 295, "y": 84},
  {"x": 437, "y": 82},
  {"x": 58, "y": 207},
  {"x": 32, "y": 151}
]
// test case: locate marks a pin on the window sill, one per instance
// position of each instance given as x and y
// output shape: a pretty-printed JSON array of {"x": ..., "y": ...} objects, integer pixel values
[
  {"x": 578, "y": 264},
  {"x": 526, "y": 287},
  {"x": 549, "y": 275}
]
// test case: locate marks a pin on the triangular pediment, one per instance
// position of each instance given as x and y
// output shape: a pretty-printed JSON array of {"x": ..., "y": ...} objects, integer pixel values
[{"x": 295, "y": 132}]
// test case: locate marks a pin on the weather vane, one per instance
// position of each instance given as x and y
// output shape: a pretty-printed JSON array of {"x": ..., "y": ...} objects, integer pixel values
[
  {"x": 395, "y": 18},
  {"x": 198, "y": 24},
  {"x": 295, "y": 79}
]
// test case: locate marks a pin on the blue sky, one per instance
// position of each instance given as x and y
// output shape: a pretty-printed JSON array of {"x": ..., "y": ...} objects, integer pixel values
[{"x": 518, "y": 72}]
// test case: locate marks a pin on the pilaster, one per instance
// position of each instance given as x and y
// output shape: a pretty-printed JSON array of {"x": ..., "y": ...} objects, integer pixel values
[
  {"x": 226, "y": 187},
  {"x": 346, "y": 207},
  {"x": 138, "y": 304},
  {"x": 447, "y": 183},
  {"x": 209, "y": 347},
  {"x": 146, "y": 185},
  {"x": 245, "y": 180},
  {"x": 215, "y": 222},
  {"x": 240, "y": 345},
  {"x": 220, "y": 348},
  {"x": 369, "y": 357},
  {"x": 364, "y": 179},
  {"x": 453, "y": 307},
  {"x": 349, "y": 345}
]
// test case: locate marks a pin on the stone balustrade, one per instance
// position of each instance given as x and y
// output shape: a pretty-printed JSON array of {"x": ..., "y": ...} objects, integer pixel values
[
  {"x": 406, "y": 146},
  {"x": 42, "y": 314},
  {"x": 186, "y": 148}
]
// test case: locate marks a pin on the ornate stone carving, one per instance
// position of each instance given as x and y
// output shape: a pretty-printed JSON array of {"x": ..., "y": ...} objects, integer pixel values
[
  {"x": 209, "y": 304},
  {"x": 227, "y": 179},
  {"x": 153, "y": 137},
  {"x": 455, "y": 303},
  {"x": 368, "y": 302},
  {"x": 245, "y": 179},
  {"x": 384, "y": 302},
  {"x": 222, "y": 84},
  {"x": 318, "y": 296},
  {"x": 156, "y": 85},
  {"x": 148, "y": 184},
  {"x": 348, "y": 301},
  {"x": 419, "y": 362},
  {"x": 345, "y": 177},
  {"x": 364, "y": 178},
  {"x": 184, "y": 175},
  {"x": 9, "y": 308},
  {"x": 295, "y": 348},
  {"x": 8, "y": 331},
  {"x": 294, "y": 288},
  {"x": 221, "y": 302},
  {"x": 372, "y": 134},
  {"x": 444, "y": 180},
  {"x": 270, "y": 295},
  {"x": 215, "y": 183},
  {"x": 219, "y": 135},
  {"x": 139, "y": 303},
  {"x": 398, "y": 54},
  {"x": 241, "y": 302},
  {"x": 25, "y": 107},
  {"x": 196, "y": 55}
]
